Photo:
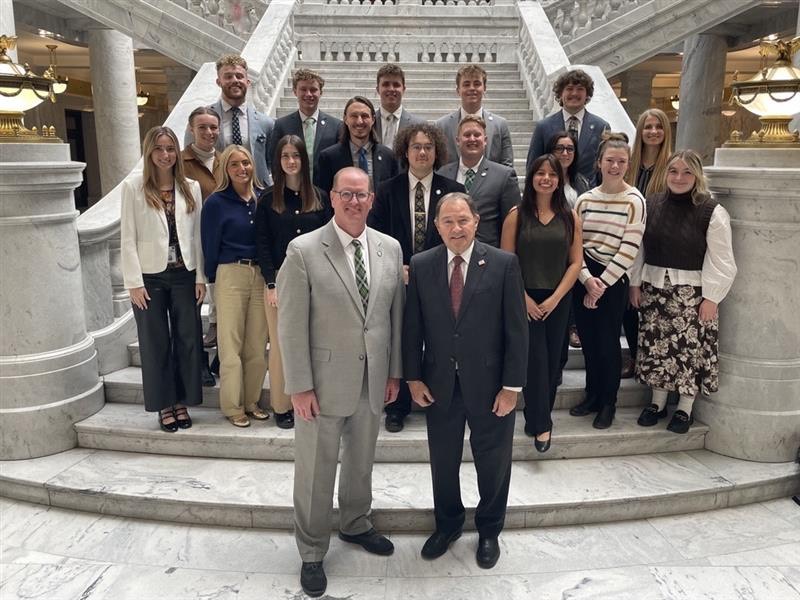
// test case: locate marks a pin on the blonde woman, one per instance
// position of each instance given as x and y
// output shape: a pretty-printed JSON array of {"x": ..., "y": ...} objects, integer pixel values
[
  {"x": 685, "y": 269},
  {"x": 229, "y": 247},
  {"x": 652, "y": 147},
  {"x": 162, "y": 268}
]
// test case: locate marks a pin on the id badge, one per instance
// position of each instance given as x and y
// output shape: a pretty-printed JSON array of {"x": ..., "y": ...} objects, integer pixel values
[{"x": 172, "y": 255}]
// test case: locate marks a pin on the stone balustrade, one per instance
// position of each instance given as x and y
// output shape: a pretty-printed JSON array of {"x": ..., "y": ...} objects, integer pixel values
[
  {"x": 573, "y": 18},
  {"x": 238, "y": 16},
  {"x": 270, "y": 54}
]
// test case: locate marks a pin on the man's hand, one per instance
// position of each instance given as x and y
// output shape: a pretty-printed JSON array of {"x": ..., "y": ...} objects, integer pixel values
[
  {"x": 504, "y": 402},
  {"x": 392, "y": 389},
  {"x": 420, "y": 393},
  {"x": 305, "y": 405},
  {"x": 405, "y": 274}
]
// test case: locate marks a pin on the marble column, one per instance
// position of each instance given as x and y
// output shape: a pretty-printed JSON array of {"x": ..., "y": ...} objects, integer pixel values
[
  {"x": 7, "y": 19},
  {"x": 115, "y": 111},
  {"x": 178, "y": 79},
  {"x": 702, "y": 84},
  {"x": 48, "y": 364},
  {"x": 756, "y": 413},
  {"x": 637, "y": 89}
]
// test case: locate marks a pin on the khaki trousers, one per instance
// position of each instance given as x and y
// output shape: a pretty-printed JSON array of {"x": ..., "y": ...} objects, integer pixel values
[
  {"x": 278, "y": 398},
  {"x": 241, "y": 337}
]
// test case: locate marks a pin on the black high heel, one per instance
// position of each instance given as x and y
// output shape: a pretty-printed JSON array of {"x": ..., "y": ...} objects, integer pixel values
[
  {"x": 168, "y": 427},
  {"x": 182, "y": 418},
  {"x": 543, "y": 446}
]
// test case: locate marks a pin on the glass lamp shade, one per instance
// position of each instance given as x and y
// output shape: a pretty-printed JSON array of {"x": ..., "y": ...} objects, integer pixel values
[
  {"x": 60, "y": 87},
  {"x": 20, "y": 91},
  {"x": 773, "y": 92}
]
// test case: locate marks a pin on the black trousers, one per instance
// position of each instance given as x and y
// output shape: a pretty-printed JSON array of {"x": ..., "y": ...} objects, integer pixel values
[
  {"x": 599, "y": 330},
  {"x": 402, "y": 406},
  {"x": 170, "y": 341},
  {"x": 491, "y": 440},
  {"x": 545, "y": 341},
  {"x": 630, "y": 324}
]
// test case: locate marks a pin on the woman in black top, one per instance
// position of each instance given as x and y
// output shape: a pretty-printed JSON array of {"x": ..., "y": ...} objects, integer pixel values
[
  {"x": 291, "y": 207},
  {"x": 565, "y": 148}
]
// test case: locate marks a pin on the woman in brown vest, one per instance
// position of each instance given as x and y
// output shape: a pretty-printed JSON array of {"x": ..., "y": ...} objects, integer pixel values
[{"x": 683, "y": 271}]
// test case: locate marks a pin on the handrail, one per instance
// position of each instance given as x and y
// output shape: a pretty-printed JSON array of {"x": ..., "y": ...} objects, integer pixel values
[{"x": 240, "y": 17}]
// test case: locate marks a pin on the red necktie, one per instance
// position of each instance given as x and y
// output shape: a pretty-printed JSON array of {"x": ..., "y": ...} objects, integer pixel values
[{"x": 456, "y": 285}]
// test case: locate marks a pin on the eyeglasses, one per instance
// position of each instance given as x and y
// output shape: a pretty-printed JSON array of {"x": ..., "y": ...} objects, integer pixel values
[
  {"x": 563, "y": 149},
  {"x": 347, "y": 195}
]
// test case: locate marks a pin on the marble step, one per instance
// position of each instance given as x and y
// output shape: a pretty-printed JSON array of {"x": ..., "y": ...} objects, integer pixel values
[
  {"x": 127, "y": 428},
  {"x": 255, "y": 493},
  {"x": 125, "y": 386},
  {"x": 410, "y": 69},
  {"x": 422, "y": 88},
  {"x": 515, "y": 117},
  {"x": 416, "y": 103}
]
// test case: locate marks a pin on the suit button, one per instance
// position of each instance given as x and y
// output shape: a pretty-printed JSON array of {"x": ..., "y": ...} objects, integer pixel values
[
  {"x": 298, "y": 231},
  {"x": 455, "y": 335},
  {"x": 360, "y": 357},
  {"x": 297, "y": 212}
]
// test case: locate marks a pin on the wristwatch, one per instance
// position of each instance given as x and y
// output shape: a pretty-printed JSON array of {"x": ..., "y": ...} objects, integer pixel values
[{"x": 270, "y": 286}]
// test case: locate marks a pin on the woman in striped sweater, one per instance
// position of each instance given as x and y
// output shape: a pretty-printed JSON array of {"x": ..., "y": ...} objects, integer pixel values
[{"x": 612, "y": 216}]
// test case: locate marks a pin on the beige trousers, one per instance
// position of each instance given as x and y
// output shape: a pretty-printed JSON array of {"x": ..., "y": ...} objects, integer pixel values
[
  {"x": 278, "y": 398},
  {"x": 241, "y": 337}
]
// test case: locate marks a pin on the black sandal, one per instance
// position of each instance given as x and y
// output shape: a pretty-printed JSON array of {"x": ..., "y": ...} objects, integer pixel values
[
  {"x": 166, "y": 414},
  {"x": 182, "y": 417}
]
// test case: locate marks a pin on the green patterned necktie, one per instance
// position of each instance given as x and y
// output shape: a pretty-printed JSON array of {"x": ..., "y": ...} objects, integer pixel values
[
  {"x": 419, "y": 218},
  {"x": 309, "y": 132},
  {"x": 361, "y": 274},
  {"x": 469, "y": 179}
]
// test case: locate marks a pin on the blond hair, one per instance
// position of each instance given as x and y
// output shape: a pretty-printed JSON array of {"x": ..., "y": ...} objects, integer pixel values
[
  {"x": 658, "y": 180},
  {"x": 152, "y": 194},
  {"x": 222, "y": 175}
]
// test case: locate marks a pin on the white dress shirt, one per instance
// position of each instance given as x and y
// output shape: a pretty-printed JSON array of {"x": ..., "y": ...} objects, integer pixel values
[
  {"x": 427, "y": 182},
  {"x": 347, "y": 243},
  {"x": 461, "y": 176},
  {"x": 463, "y": 113},
  {"x": 354, "y": 150},
  {"x": 389, "y": 129},
  {"x": 227, "y": 131},
  {"x": 719, "y": 266}
]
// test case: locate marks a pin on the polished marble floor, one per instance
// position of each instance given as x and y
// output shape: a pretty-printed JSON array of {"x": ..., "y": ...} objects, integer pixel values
[{"x": 745, "y": 553}]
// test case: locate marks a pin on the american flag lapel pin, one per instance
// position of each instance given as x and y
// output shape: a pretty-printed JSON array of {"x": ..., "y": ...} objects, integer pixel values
[{"x": 481, "y": 262}]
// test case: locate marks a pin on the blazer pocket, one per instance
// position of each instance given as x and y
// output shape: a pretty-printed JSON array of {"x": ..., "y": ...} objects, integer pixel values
[{"x": 320, "y": 354}]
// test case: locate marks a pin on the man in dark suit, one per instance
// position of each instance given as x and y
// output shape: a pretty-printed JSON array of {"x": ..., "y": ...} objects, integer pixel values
[
  {"x": 319, "y": 130},
  {"x": 391, "y": 116},
  {"x": 465, "y": 357},
  {"x": 358, "y": 147},
  {"x": 404, "y": 208},
  {"x": 470, "y": 87},
  {"x": 492, "y": 186},
  {"x": 573, "y": 90}
]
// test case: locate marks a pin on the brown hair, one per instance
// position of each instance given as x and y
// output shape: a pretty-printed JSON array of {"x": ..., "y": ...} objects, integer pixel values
[
  {"x": 344, "y": 131},
  {"x": 307, "y": 75},
  {"x": 700, "y": 191},
  {"x": 233, "y": 60},
  {"x": 468, "y": 70},
  {"x": 558, "y": 201},
  {"x": 149, "y": 185},
  {"x": 390, "y": 70},
  {"x": 613, "y": 139},
  {"x": 403, "y": 141},
  {"x": 203, "y": 110},
  {"x": 471, "y": 119},
  {"x": 574, "y": 77},
  {"x": 309, "y": 197},
  {"x": 658, "y": 181}
]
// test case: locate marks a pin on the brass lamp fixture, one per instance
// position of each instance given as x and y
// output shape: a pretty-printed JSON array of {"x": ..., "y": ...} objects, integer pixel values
[
  {"x": 142, "y": 97},
  {"x": 21, "y": 90},
  {"x": 59, "y": 83},
  {"x": 774, "y": 95}
]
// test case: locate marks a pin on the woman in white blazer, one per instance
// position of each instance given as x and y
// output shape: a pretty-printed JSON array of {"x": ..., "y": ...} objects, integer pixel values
[{"x": 162, "y": 268}]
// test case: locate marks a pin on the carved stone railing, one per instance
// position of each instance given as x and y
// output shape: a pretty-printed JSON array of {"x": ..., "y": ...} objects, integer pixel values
[
  {"x": 237, "y": 16},
  {"x": 270, "y": 54},
  {"x": 415, "y": 2},
  {"x": 542, "y": 60},
  {"x": 426, "y": 52},
  {"x": 573, "y": 18}
]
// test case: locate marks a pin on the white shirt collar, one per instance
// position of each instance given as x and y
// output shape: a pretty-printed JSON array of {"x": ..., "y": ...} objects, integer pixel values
[
  {"x": 463, "y": 113},
  {"x": 226, "y": 106},
  {"x": 466, "y": 254},
  {"x": 578, "y": 115},
  {"x": 346, "y": 239},
  {"x": 427, "y": 181},
  {"x": 397, "y": 114},
  {"x": 462, "y": 168},
  {"x": 303, "y": 117}
]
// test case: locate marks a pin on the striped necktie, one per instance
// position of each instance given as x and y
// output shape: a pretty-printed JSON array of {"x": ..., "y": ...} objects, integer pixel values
[{"x": 361, "y": 274}]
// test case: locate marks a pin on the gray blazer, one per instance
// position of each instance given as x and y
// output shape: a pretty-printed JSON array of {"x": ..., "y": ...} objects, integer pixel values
[
  {"x": 495, "y": 192},
  {"x": 498, "y": 138},
  {"x": 406, "y": 119},
  {"x": 259, "y": 131},
  {"x": 326, "y": 338}
]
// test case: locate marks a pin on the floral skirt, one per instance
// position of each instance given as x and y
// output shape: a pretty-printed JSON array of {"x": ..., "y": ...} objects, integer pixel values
[{"x": 677, "y": 352}]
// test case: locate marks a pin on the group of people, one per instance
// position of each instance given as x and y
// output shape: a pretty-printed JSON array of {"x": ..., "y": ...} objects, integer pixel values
[{"x": 385, "y": 260}]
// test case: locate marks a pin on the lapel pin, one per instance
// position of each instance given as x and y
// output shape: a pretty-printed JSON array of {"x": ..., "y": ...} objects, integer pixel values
[
  {"x": 483, "y": 174},
  {"x": 379, "y": 253},
  {"x": 481, "y": 262},
  {"x": 380, "y": 157},
  {"x": 591, "y": 126},
  {"x": 322, "y": 122},
  {"x": 438, "y": 192}
]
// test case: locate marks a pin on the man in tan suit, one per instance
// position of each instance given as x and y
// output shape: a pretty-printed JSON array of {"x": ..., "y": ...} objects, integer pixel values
[{"x": 340, "y": 305}]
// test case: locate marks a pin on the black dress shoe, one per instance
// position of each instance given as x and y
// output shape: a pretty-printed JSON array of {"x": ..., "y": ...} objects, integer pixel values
[
  {"x": 543, "y": 446},
  {"x": 584, "y": 408},
  {"x": 372, "y": 541},
  {"x": 650, "y": 415},
  {"x": 529, "y": 431},
  {"x": 394, "y": 423},
  {"x": 680, "y": 422},
  {"x": 285, "y": 420},
  {"x": 605, "y": 417},
  {"x": 182, "y": 415},
  {"x": 170, "y": 427},
  {"x": 312, "y": 579},
  {"x": 488, "y": 552},
  {"x": 438, "y": 543}
]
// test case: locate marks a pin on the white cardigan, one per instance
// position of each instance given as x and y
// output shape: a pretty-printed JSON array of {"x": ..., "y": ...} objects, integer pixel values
[{"x": 145, "y": 235}]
